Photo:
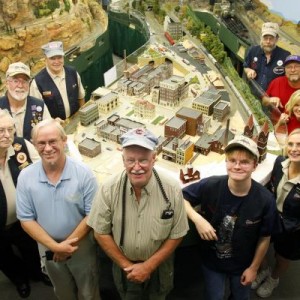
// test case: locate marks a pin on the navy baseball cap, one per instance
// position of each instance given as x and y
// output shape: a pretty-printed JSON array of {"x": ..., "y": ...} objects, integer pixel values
[{"x": 292, "y": 58}]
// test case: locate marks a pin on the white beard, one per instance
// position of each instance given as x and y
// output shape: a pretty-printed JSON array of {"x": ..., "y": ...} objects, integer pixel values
[{"x": 19, "y": 95}]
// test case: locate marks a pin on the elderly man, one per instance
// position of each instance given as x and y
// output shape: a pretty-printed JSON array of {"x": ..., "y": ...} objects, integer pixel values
[
  {"x": 27, "y": 111},
  {"x": 15, "y": 154},
  {"x": 264, "y": 62},
  {"x": 139, "y": 219},
  {"x": 281, "y": 88},
  {"x": 54, "y": 197},
  {"x": 235, "y": 222},
  {"x": 60, "y": 86}
]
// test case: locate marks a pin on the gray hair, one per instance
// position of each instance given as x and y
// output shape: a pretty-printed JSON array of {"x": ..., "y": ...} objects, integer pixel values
[
  {"x": 48, "y": 123},
  {"x": 5, "y": 113}
]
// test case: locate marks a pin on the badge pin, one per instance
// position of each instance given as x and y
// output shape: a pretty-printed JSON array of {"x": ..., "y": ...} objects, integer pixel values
[
  {"x": 17, "y": 147},
  {"x": 21, "y": 157}
]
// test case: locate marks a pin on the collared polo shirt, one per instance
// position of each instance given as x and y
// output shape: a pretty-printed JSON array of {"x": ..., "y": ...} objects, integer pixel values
[{"x": 57, "y": 208}]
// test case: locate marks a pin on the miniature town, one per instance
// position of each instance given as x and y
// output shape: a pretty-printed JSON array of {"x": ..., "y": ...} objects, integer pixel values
[{"x": 190, "y": 111}]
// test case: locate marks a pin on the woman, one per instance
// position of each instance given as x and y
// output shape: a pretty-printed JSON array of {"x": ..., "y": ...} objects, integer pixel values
[
  {"x": 285, "y": 183},
  {"x": 291, "y": 117}
]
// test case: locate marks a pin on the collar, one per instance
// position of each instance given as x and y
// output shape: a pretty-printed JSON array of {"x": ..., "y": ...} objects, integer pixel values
[
  {"x": 148, "y": 187},
  {"x": 285, "y": 168},
  {"x": 62, "y": 75},
  {"x": 10, "y": 152},
  {"x": 66, "y": 173}
]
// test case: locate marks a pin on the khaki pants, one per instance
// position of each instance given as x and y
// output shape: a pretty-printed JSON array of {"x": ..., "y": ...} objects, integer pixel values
[
  {"x": 77, "y": 277},
  {"x": 156, "y": 288}
]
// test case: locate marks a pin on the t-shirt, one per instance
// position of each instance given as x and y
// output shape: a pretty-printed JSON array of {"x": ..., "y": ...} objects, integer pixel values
[{"x": 280, "y": 88}]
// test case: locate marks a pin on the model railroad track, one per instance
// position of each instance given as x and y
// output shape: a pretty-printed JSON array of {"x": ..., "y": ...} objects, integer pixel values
[{"x": 238, "y": 28}]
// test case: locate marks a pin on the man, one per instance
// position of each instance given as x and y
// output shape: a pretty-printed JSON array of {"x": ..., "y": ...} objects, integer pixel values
[
  {"x": 60, "y": 86},
  {"x": 234, "y": 223},
  {"x": 264, "y": 62},
  {"x": 139, "y": 219},
  {"x": 54, "y": 197},
  {"x": 15, "y": 154},
  {"x": 27, "y": 111},
  {"x": 281, "y": 88}
]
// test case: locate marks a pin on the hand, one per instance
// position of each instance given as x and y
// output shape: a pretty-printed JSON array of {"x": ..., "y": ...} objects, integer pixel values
[
  {"x": 275, "y": 101},
  {"x": 284, "y": 118},
  {"x": 58, "y": 257},
  {"x": 251, "y": 74},
  {"x": 137, "y": 273},
  {"x": 205, "y": 230},
  {"x": 65, "y": 249},
  {"x": 248, "y": 276}
]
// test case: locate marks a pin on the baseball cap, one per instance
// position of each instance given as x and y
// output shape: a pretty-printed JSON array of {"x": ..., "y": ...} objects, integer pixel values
[
  {"x": 53, "y": 48},
  {"x": 139, "y": 137},
  {"x": 17, "y": 68},
  {"x": 270, "y": 28},
  {"x": 292, "y": 58},
  {"x": 244, "y": 142}
]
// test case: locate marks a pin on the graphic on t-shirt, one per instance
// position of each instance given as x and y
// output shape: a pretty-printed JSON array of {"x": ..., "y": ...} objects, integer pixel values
[{"x": 225, "y": 231}]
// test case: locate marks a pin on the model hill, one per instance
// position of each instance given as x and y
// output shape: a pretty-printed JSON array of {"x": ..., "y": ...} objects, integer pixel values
[{"x": 25, "y": 25}]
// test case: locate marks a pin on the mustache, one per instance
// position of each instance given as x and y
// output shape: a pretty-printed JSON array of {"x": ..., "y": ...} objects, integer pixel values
[{"x": 139, "y": 172}]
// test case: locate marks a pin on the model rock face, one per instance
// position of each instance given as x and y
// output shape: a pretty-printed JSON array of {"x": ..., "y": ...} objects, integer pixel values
[{"x": 26, "y": 25}]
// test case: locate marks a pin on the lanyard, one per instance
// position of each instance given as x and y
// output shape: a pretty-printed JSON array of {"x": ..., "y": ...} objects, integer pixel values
[{"x": 167, "y": 213}]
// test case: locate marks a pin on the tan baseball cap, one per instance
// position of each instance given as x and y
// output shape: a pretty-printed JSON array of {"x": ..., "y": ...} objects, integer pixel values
[
  {"x": 270, "y": 28},
  {"x": 244, "y": 142},
  {"x": 17, "y": 68}
]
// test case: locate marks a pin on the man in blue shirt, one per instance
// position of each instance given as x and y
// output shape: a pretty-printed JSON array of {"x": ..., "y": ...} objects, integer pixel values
[
  {"x": 264, "y": 62},
  {"x": 235, "y": 222},
  {"x": 54, "y": 198}
]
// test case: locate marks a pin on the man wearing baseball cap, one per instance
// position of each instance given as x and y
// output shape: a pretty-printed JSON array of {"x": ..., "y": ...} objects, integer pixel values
[
  {"x": 139, "y": 219},
  {"x": 26, "y": 111},
  {"x": 235, "y": 221},
  {"x": 281, "y": 88},
  {"x": 59, "y": 85},
  {"x": 264, "y": 62}
]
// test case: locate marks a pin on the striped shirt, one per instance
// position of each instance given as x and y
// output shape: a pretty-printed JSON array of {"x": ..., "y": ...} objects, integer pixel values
[{"x": 145, "y": 230}]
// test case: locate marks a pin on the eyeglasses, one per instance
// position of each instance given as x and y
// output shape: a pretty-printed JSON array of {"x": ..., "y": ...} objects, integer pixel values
[
  {"x": 132, "y": 162},
  {"x": 42, "y": 145},
  {"x": 290, "y": 67},
  {"x": 17, "y": 81},
  {"x": 10, "y": 130},
  {"x": 242, "y": 163}
]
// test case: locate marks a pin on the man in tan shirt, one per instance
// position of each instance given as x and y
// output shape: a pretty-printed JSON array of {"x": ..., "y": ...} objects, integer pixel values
[
  {"x": 26, "y": 110},
  {"x": 139, "y": 219},
  {"x": 57, "y": 84},
  {"x": 15, "y": 154}
]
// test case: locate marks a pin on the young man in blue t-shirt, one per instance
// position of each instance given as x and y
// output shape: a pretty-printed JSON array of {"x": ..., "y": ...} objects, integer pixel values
[{"x": 234, "y": 222}]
